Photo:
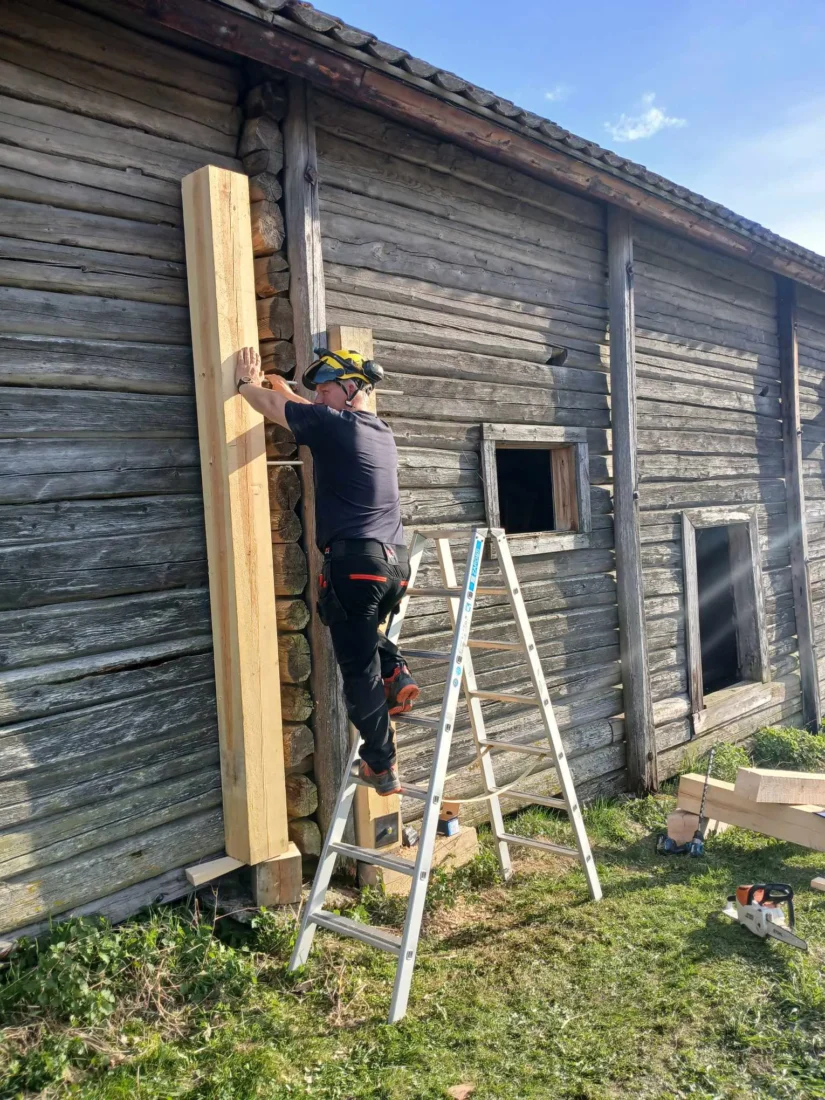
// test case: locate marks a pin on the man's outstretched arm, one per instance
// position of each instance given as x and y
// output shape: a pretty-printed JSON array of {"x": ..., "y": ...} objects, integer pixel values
[{"x": 270, "y": 403}]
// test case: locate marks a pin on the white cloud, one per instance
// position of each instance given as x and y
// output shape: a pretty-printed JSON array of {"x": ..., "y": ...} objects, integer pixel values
[
  {"x": 650, "y": 120},
  {"x": 558, "y": 92}
]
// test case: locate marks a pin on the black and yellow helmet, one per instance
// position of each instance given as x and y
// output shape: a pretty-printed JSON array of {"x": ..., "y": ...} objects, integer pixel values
[{"x": 342, "y": 366}]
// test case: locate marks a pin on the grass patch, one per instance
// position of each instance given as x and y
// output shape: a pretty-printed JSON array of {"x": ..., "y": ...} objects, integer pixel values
[{"x": 527, "y": 991}]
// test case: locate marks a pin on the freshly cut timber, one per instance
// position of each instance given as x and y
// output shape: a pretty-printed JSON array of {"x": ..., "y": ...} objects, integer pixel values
[{"x": 788, "y": 788}]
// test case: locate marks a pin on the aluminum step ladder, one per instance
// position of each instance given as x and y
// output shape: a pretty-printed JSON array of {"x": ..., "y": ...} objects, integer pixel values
[{"x": 461, "y": 601}]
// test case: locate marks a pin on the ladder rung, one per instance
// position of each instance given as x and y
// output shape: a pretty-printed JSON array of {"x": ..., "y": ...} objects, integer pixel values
[
  {"x": 427, "y": 654},
  {"x": 416, "y": 720},
  {"x": 539, "y": 799},
  {"x": 366, "y": 933},
  {"x": 376, "y": 857},
  {"x": 420, "y": 793},
  {"x": 478, "y": 643},
  {"x": 506, "y": 697},
  {"x": 532, "y": 842},
  {"x": 511, "y": 746}
]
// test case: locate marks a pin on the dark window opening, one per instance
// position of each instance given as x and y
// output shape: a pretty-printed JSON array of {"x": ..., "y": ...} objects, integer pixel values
[
  {"x": 525, "y": 489},
  {"x": 717, "y": 609}
]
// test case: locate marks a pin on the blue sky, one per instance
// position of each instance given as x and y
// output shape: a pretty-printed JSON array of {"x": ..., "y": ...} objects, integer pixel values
[{"x": 727, "y": 98}]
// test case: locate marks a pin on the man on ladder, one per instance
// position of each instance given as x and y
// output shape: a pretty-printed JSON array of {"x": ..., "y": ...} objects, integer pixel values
[{"x": 358, "y": 528}]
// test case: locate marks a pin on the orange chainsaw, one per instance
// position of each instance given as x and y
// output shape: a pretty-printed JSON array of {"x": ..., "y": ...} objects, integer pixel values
[{"x": 759, "y": 909}]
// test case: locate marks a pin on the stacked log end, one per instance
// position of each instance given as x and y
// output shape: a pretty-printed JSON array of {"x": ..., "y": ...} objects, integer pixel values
[{"x": 261, "y": 150}]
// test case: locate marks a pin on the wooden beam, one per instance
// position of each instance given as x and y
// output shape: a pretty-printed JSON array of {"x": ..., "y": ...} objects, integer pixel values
[
  {"x": 236, "y": 511},
  {"x": 307, "y": 298},
  {"x": 277, "y": 42},
  {"x": 818, "y": 884},
  {"x": 789, "y": 788},
  {"x": 640, "y": 731},
  {"x": 202, "y": 873},
  {"x": 796, "y": 824},
  {"x": 795, "y": 496},
  {"x": 278, "y": 881}
]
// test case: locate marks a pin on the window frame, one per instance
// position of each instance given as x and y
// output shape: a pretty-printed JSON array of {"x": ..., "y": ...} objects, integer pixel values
[
  {"x": 747, "y": 591},
  {"x": 525, "y": 437}
]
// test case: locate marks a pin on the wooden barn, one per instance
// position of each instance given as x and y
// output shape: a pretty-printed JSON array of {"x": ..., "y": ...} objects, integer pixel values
[{"x": 627, "y": 376}]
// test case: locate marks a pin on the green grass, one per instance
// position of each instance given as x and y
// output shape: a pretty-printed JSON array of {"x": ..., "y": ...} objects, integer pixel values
[{"x": 528, "y": 991}]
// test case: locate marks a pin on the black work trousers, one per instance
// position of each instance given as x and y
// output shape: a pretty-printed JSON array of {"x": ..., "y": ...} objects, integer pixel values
[{"x": 361, "y": 584}]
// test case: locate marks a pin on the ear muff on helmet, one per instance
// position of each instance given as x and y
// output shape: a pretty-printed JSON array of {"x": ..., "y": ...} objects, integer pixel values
[{"x": 342, "y": 366}]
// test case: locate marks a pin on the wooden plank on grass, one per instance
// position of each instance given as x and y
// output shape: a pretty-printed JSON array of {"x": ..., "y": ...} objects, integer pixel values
[
  {"x": 798, "y": 824},
  {"x": 236, "y": 506},
  {"x": 788, "y": 788}
]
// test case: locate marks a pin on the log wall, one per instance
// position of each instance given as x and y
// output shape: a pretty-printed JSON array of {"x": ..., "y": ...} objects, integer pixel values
[
  {"x": 709, "y": 434},
  {"x": 109, "y": 771},
  {"x": 468, "y": 274},
  {"x": 811, "y": 337},
  {"x": 262, "y": 150}
]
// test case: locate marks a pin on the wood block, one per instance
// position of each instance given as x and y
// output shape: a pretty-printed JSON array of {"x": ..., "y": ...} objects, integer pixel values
[
  {"x": 278, "y": 881},
  {"x": 796, "y": 824},
  {"x": 818, "y": 884},
  {"x": 449, "y": 852},
  {"x": 787, "y": 788},
  {"x": 236, "y": 510},
  {"x": 206, "y": 872},
  {"x": 682, "y": 825}
]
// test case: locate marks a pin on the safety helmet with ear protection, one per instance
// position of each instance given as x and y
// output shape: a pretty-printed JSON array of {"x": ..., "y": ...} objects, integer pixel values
[{"x": 342, "y": 366}]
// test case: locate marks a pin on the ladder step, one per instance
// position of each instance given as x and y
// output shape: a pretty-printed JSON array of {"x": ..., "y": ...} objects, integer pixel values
[
  {"x": 416, "y": 720},
  {"x": 410, "y": 792},
  {"x": 506, "y": 697},
  {"x": 510, "y": 746},
  {"x": 479, "y": 643},
  {"x": 366, "y": 933},
  {"x": 532, "y": 842},
  {"x": 376, "y": 857},
  {"x": 454, "y": 593},
  {"x": 427, "y": 654}
]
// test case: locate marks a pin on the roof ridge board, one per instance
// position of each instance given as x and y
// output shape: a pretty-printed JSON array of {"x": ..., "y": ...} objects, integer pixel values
[{"x": 279, "y": 13}]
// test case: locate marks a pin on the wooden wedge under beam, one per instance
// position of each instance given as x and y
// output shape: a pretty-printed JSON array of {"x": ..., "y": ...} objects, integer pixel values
[
  {"x": 236, "y": 507},
  {"x": 797, "y": 824},
  {"x": 789, "y": 788}
]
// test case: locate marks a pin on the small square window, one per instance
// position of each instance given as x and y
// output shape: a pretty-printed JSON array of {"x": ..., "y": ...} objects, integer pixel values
[{"x": 537, "y": 486}]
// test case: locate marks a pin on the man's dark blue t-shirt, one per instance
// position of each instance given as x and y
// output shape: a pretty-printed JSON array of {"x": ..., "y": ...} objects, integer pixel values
[{"x": 356, "y": 473}]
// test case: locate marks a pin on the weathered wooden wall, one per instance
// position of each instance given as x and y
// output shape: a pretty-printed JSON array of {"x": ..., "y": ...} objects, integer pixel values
[
  {"x": 709, "y": 434},
  {"x": 468, "y": 273},
  {"x": 811, "y": 339},
  {"x": 108, "y": 749}
]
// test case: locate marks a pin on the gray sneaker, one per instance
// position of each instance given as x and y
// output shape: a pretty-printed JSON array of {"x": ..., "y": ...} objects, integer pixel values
[{"x": 384, "y": 782}]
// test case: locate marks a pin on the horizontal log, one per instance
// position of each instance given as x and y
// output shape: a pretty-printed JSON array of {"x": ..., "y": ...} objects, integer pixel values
[
  {"x": 268, "y": 98},
  {"x": 82, "y": 413},
  {"x": 292, "y": 614},
  {"x": 280, "y": 443},
  {"x": 48, "y": 77},
  {"x": 72, "y": 277},
  {"x": 298, "y": 744},
  {"x": 100, "y": 678},
  {"x": 301, "y": 796},
  {"x": 271, "y": 275},
  {"x": 290, "y": 566},
  {"x": 296, "y": 703},
  {"x": 261, "y": 133},
  {"x": 41, "y": 313},
  {"x": 284, "y": 488},
  {"x": 293, "y": 658},
  {"x": 47, "y": 742},
  {"x": 68, "y": 835},
  {"x": 267, "y": 228},
  {"x": 73, "y": 519},
  {"x": 305, "y": 834},
  {"x": 43, "y": 892},
  {"x": 278, "y": 356},
  {"x": 285, "y": 526},
  {"x": 265, "y": 187},
  {"x": 37, "y": 636},
  {"x": 274, "y": 319},
  {"x": 40, "y": 128},
  {"x": 677, "y": 495},
  {"x": 48, "y": 469}
]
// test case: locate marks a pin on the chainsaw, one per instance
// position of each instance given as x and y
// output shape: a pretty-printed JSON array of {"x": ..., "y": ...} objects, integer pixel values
[{"x": 759, "y": 909}]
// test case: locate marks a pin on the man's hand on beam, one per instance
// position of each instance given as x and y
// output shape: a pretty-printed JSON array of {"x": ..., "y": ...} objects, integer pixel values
[{"x": 249, "y": 380}]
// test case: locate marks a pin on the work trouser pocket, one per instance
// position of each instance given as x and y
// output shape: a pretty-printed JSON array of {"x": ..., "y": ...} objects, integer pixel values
[{"x": 329, "y": 607}]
